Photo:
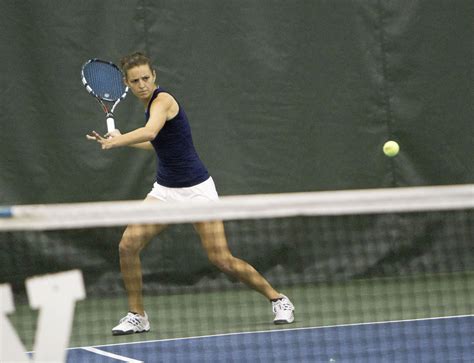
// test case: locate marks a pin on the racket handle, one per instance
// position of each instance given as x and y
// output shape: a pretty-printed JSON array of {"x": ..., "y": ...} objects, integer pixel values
[{"x": 110, "y": 122}]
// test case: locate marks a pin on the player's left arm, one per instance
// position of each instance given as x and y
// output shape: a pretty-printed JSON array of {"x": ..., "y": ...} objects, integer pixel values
[{"x": 159, "y": 111}]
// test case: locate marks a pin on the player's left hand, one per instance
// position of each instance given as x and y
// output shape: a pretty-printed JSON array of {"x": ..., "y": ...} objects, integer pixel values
[
  {"x": 106, "y": 142},
  {"x": 113, "y": 133}
]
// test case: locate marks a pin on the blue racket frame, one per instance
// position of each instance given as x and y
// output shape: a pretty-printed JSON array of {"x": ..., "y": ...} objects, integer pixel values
[{"x": 104, "y": 81}]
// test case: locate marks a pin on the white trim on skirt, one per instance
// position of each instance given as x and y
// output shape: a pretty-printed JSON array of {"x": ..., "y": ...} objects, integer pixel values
[{"x": 203, "y": 191}]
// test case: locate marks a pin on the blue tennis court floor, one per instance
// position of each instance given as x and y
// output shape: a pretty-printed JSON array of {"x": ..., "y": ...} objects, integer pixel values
[{"x": 447, "y": 339}]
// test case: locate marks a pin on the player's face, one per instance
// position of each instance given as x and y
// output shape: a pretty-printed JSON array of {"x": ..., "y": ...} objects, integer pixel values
[{"x": 141, "y": 80}]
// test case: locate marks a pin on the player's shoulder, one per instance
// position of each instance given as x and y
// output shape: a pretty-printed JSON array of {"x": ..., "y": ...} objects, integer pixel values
[
  {"x": 164, "y": 99},
  {"x": 165, "y": 96}
]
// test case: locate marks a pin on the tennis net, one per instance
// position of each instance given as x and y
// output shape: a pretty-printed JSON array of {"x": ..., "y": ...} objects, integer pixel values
[{"x": 381, "y": 275}]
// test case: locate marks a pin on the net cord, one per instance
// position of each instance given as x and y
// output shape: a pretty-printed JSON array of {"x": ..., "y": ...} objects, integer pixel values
[{"x": 120, "y": 213}]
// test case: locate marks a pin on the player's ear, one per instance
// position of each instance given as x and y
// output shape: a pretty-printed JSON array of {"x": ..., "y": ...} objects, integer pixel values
[{"x": 125, "y": 80}]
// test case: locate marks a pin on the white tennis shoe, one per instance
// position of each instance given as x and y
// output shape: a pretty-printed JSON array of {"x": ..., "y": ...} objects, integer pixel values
[
  {"x": 132, "y": 323},
  {"x": 283, "y": 310}
]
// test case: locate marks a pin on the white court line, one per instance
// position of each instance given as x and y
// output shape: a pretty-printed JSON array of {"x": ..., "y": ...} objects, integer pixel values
[
  {"x": 285, "y": 330},
  {"x": 112, "y": 355}
]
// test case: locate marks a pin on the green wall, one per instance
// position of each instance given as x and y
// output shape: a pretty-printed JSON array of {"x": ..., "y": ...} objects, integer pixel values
[{"x": 283, "y": 95}]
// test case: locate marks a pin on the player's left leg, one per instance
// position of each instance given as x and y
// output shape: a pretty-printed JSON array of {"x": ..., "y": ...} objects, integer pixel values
[{"x": 214, "y": 242}]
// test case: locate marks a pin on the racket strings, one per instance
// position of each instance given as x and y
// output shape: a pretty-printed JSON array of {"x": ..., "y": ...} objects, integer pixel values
[{"x": 105, "y": 80}]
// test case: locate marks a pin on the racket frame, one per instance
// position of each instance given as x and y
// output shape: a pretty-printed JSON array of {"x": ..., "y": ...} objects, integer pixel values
[{"x": 109, "y": 113}]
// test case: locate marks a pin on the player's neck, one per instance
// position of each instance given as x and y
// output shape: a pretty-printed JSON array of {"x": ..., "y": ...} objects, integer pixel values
[{"x": 146, "y": 101}]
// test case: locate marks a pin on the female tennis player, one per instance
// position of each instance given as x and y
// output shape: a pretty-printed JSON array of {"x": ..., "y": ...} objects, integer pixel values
[{"x": 181, "y": 176}]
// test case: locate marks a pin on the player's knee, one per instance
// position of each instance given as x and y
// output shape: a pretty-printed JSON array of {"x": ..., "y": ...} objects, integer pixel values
[
  {"x": 126, "y": 249},
  {"x": 129, "y": 245},
  {"x": 222, "y": 262}
]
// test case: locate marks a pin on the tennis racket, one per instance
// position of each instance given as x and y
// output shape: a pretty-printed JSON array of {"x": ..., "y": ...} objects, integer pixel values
[{"x": 104, "y": 81}]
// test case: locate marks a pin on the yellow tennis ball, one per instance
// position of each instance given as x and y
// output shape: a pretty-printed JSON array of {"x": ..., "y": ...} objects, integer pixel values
[{"x": 391, "y": 148}]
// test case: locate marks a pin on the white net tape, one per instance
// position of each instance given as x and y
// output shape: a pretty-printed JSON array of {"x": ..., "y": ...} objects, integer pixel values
[{"x": 104, "y": 214}]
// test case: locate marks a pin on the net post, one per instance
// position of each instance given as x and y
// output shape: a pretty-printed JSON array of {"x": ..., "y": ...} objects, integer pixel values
[{"x": 6, "y": 212}]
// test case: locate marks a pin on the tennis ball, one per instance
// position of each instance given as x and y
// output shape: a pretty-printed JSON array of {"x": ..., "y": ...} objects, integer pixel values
[{"x": 391, "y": 148}]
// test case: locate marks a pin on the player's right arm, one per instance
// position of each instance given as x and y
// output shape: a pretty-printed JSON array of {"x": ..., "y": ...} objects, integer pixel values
[
  {"x": 159, "y": 114},
  {"x": 141, "y": 145}
]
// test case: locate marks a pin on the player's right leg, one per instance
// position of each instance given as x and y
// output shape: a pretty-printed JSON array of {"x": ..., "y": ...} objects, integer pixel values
[{"x": 134, "y": 239}]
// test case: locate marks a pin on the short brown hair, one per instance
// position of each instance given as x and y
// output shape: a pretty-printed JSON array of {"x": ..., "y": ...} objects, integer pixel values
[{"x": 134, "y": 60}]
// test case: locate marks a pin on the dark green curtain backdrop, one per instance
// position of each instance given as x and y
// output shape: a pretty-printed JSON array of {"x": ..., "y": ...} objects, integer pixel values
[{"x": 283, "y": 96}]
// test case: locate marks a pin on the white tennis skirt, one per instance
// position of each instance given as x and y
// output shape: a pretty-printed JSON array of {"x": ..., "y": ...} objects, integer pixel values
[{"x": 203, "y": 191}]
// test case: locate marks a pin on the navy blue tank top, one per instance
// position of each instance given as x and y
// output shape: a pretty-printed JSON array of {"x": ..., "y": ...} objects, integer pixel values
[{"x": 179, "y": 165}]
